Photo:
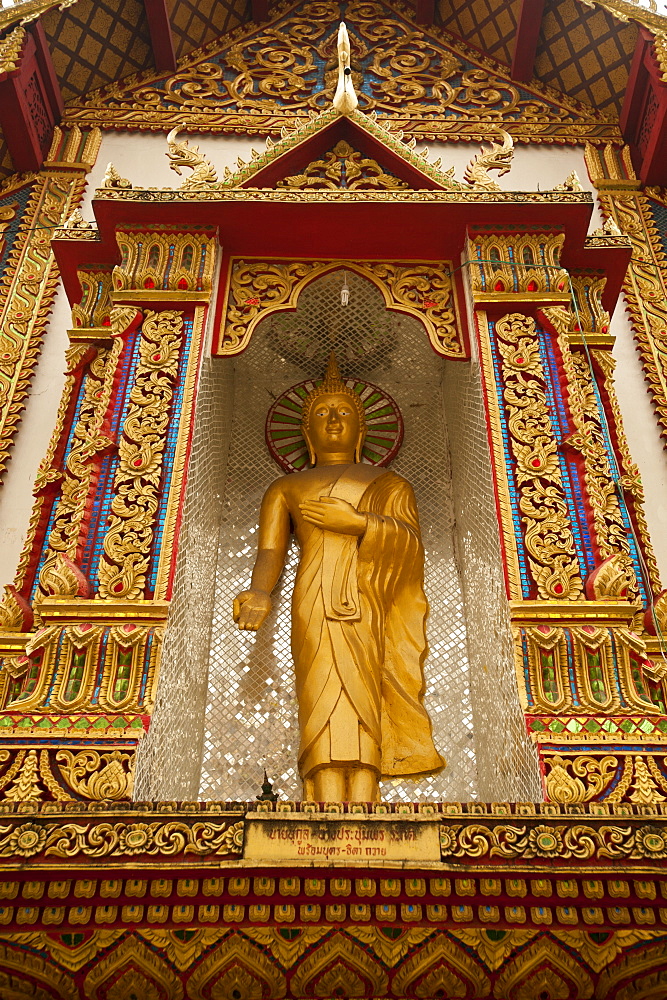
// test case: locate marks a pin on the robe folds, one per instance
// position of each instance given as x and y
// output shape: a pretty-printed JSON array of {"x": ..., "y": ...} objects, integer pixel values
[{"x": 359, "y": 638}]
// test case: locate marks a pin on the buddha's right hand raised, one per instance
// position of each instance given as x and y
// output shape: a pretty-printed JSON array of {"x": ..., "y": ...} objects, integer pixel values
[{"x": 251, "y": 608}]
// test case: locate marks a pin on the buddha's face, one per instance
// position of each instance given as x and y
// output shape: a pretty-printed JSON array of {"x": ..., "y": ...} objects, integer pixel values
[{"x": 334, "y": 425}]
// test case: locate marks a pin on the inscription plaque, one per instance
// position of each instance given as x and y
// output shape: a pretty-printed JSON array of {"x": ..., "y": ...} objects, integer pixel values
[{"x": 352, "y": 839}]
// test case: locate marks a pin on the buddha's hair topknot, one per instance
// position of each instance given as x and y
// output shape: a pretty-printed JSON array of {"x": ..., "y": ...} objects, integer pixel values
[{"x": 332, "y": 382}]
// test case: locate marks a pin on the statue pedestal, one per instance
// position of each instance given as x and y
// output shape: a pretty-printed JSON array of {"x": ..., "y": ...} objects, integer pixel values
[{"x": 328, "y": 838}]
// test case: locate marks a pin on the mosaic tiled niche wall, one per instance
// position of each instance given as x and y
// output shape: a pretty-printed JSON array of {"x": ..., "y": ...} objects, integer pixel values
[{"x": 249, "y": 721}]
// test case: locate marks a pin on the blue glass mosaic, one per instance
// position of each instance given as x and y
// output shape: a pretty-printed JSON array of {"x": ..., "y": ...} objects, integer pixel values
[
  {"x": 168, "y": 454},
  {"x": 659, "y": 213}
]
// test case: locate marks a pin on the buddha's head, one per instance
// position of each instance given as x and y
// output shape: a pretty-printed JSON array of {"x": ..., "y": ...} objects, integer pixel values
[{"x": 333, "y": 420}]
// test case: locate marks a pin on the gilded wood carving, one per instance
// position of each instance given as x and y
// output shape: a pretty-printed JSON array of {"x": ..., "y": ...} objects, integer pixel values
[
  {"x": 262, "y": 78},
  {"x": 258, "y": 288}
]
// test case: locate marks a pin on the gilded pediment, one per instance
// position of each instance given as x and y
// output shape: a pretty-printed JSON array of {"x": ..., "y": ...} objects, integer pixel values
[
  {"x": 343, "y": 168},
  {"x": 259, "y": 79},
  {"x": 333, "y": 152}
]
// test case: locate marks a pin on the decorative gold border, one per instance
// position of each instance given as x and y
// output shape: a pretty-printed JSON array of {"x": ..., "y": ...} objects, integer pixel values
[
  {"x": 175, "y": 499},
  {"x": 500, "y": 474},
  {"x": 288, "y": 278}
]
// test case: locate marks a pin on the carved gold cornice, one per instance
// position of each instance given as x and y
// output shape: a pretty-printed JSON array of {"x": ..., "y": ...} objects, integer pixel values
[
  {"x": 223, "y": 194},
  {"x": 62, "y": 609},
  {"x": 564, "y": 612}
]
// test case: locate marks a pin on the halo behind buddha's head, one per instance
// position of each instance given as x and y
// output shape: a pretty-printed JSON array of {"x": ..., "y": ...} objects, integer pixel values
[{"x": 330, "y": 384}]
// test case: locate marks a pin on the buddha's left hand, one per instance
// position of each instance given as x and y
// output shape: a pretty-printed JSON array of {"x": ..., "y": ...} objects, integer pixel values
[{"x": 333, "y": 514}]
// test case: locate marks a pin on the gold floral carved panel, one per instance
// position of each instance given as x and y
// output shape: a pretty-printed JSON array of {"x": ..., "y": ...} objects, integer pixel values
[{"x": 258, "y": 288}]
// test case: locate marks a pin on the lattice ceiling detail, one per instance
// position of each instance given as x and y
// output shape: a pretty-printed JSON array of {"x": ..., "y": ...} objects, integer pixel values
[
  {"x": 485, "y": 24},
  {"x": 585, "y": 53},
  {"x": 96, "y": 41},
  {"x": 197, "y": 22},
  {"x": 585, "y": 46}
]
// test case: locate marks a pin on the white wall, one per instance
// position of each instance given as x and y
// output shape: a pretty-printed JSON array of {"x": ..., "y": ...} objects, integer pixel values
[
  {"x": 534, "y": 168},
  {"x": 141, "y": 158},
  {"x": 641, "y": 429},
  {"x": 32, "y": 439}
]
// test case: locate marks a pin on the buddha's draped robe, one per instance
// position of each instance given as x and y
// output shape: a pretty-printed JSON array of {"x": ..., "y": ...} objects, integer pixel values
[{"x": 358, "y": 636}]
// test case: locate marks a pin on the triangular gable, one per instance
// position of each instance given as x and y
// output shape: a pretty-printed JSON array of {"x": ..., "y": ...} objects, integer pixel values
[
  {"x": 259, "y": 79},
  {"x": 338, "y": 152}
]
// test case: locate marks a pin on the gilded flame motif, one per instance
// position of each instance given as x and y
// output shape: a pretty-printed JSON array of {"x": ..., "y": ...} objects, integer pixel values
[
  {"x": 548, "y": 533},
  {"x": 122, "y": 570}
]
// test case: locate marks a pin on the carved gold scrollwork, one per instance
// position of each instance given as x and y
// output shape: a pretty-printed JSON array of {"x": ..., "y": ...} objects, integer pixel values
[
  {"x": 343, "y": 167},
  {"x": 268, "y": 76},
  {"x": 574, "y": 840},
  {"x": 613, "y": 580},
  {"x": 95, "y": 775},
  {"x": 60, "y": 577},
  {"x": 32, "y": 779},
  {"x": 596, "y": 772},
  {"x": 125, "y": 561},
  {"x": 586, "y": 778},
  {"x": 589, "y": 439},
  {"x": 610, "y": 529},
  {"x": 425, "y": 291},
  {"x": 120, "y": 839},
  {"x": 548, "y": 533},
  {"x": 59, "y": 574},
  {"x": 15, "y": 613}
]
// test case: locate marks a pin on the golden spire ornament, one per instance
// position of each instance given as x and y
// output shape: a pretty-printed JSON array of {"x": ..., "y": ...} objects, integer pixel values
[{"x": 345, "y": 99}]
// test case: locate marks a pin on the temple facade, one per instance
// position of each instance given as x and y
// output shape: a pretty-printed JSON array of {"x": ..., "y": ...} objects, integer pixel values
[{"x": 465, "y": 201}]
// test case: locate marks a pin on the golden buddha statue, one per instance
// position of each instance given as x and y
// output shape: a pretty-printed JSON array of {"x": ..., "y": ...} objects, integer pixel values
[{"x": 358, "y": 610}]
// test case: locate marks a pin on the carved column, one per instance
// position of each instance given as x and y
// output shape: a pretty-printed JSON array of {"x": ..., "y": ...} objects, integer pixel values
[
  {"x": 95, "y": 575},
  {"x": 570, "y": 519}
]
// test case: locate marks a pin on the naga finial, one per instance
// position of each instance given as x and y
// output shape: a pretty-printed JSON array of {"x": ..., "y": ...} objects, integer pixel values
[
  {"x": 345, "y": 99},
  {"x": 498, "y": 157},
  {"x": 182, "y": 154}
]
